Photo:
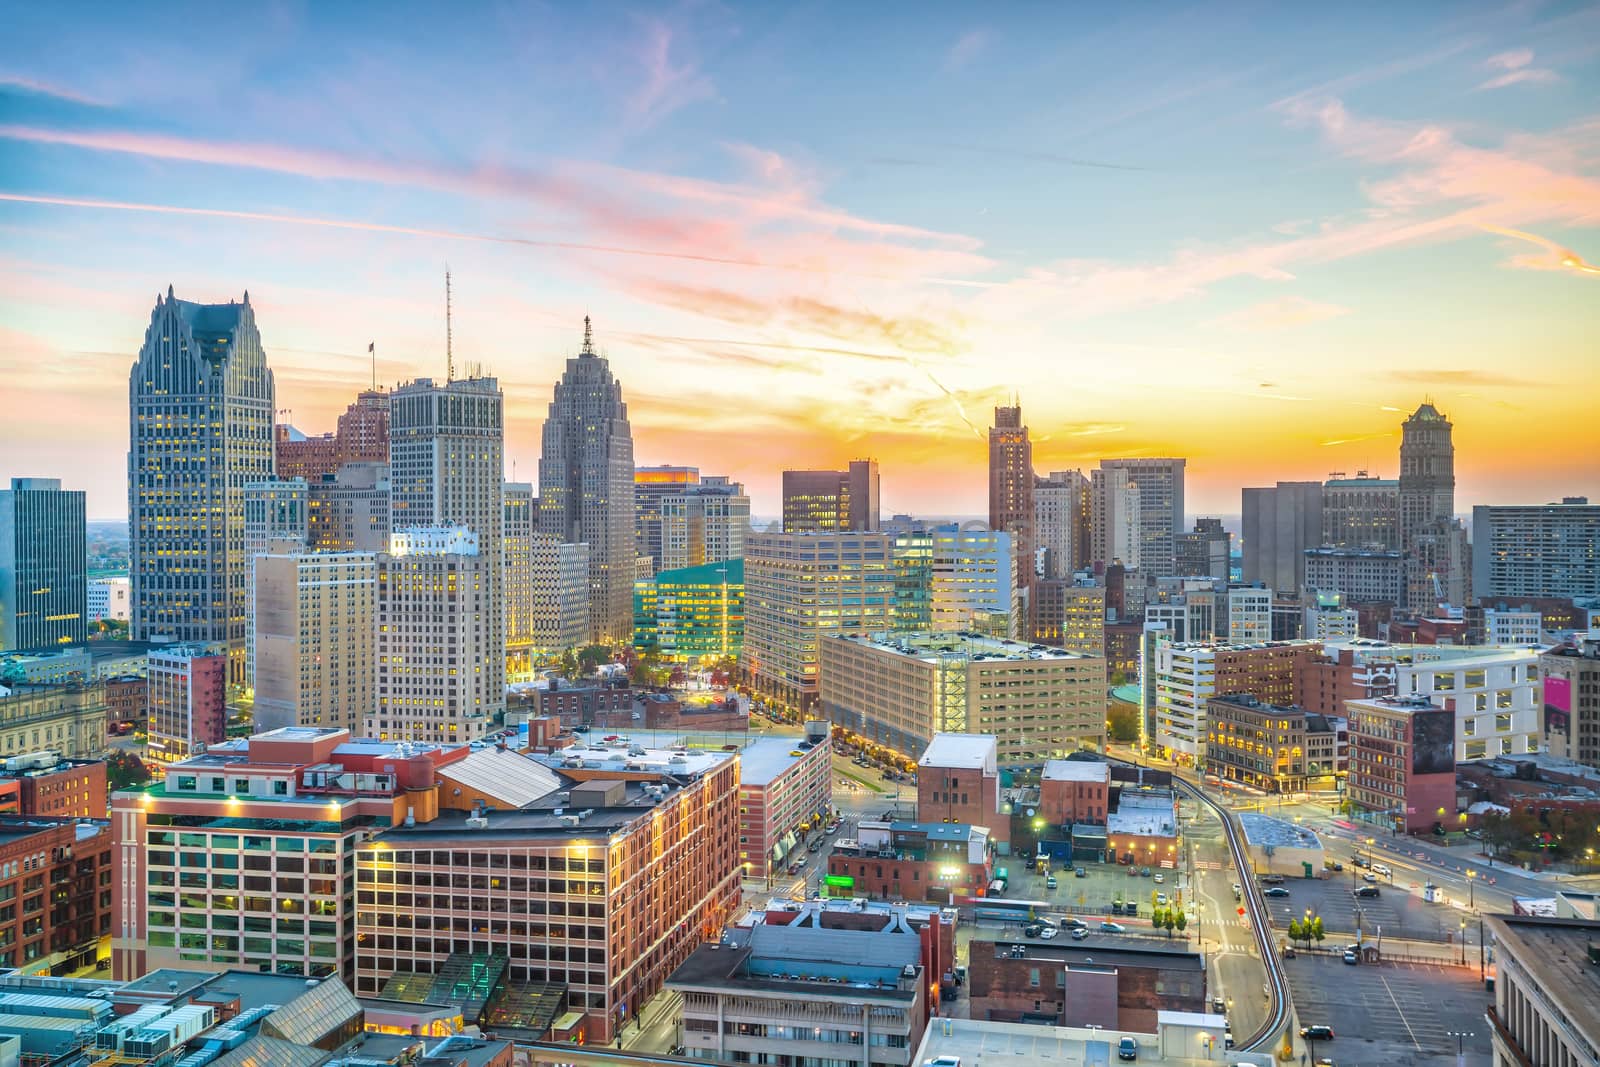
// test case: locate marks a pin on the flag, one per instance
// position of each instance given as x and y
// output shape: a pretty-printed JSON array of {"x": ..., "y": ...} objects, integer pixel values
[{"x": 372, "y": 346}]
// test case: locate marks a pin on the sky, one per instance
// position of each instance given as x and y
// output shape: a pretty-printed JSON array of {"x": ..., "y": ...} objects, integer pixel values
[{"x": 1252, "y": 235}]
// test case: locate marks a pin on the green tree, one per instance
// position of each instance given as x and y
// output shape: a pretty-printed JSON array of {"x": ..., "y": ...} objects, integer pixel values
[
  {"x": 1123, "y": 722},
  {"x": 124, "y": 770},
  {"x": 1182, "y": 920},
  {"x": 1169, "y": 921},
  {"x": 1317, "y": 932},
  {"x": 1297, "y": 930}
]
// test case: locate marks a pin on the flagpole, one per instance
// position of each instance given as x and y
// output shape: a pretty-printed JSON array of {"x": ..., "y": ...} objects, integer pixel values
[{"x": 372, "y": 350}]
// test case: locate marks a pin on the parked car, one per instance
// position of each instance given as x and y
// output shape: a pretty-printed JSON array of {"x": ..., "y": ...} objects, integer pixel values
[
  {"x": 1079, "y": 872},
  {"x": 1161, "y": 898},
  {"x": 1351, "y": 957},
  {"x": 1110, "y": 927},
  {"x": 1050, "y": 882},
  {"x": 1159, "y": 877},
  {"x": 943, "y": 1061},
  {"x": 1144, "y": 872},
  {"x": 1369, "y": 877},
  {"x": 1275, "y": 891},
  {"x": 1288, "y": 951},
  {"x": 1079, "y": 935},
  {"x": 1218, "y": 1006},
  {"x": 1367, "y": 892},
  {"x": 1227, "y": 1038},
  {"x": 1075, "y": 923},
  {"x": 1032, "y": 930},
  {"x": 1317, "y": 1033},
  {"x": 1271, "y": 879},
  {"x": 1380, "y": 869},
  {"x": 1032, "y": 863},
  {"x": 1127, "y": 1049},
  {"x": 1047, "y": 933}
]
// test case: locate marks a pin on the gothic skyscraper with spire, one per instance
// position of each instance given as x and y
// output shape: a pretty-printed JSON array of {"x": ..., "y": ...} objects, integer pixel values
[
  {"x": 586, "y": 484},
  {"x": 200, "y": 402}
]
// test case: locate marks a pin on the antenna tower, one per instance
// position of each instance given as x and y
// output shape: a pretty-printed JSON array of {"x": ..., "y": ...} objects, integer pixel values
[{"x": 449, "y": 351}]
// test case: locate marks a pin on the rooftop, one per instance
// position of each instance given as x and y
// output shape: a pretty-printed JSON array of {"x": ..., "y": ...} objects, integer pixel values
[
  {"x": 960, "y": 752},
  {"x": 1143, "y": 813},
  {"x": 807, "y": 962},
  {"x": 762, "y": 760},
  {"x": 1074, "y": 770},
  {"x": 931, "y": 647},
  {"x": 1127, "y": 952},
  {"x": 1278, "y": 833},
  {"x": 1555, "y": 953},
  {"x": 628, "y": 754}
]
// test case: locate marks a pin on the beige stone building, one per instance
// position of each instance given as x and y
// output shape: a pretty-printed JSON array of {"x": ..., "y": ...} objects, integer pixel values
[{"x": 315, "y": 638}]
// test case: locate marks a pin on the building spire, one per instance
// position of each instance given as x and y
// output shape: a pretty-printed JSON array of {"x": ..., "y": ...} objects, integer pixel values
[
  {"x": 449, "y": 350},
  {"x": 588, "y": 337}
]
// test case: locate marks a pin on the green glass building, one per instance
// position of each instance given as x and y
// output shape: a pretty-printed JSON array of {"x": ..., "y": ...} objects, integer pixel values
[{"x": 691, "y": 612}]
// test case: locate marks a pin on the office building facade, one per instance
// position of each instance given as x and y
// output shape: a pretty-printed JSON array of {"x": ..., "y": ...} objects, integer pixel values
[
  {"x": 1206, "y": 551},
  {"x": 1279, "y": 524},
  {"x": 586, "y": 484},
  {"x": 315, "y": 639},
  {"x": 1402, "y": 762},
  {"x": 1361, "y": 512},
  {"x": 1116, "y": 520},
  {"x": 1544, "y": 991},
  {"x": 561, "y": 584},
  {"x": 1061, "y": 518},
  {"x": 1359, "y": 575},
  {"x": 1160, "y": 485},
  {"x": 975, "y": 576},
  {"x": 521, "y": 519},
  {"x": 1184, "y": 676},
  {"x": 799, "y": 589},
  {"x": 1547, "y": 550},
  {"x": 65, "y": 717},
  {"x": 1571, "y": 695},
  {"x": 200, "y": 389},
  {"x": 1011, "y": 478},
  {"x": 109, "y": 598},
  {"x": 43, "y": 561},
  {"x": 691, "y": 613},
  {"x": 349, "y": 510},
  {"x": 817, "y": 501},
  {"x": 186, "y": 692},
  {"x": 1427, "y": 485}
]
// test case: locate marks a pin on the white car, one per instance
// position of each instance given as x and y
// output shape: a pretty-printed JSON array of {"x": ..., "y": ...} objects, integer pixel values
[
  {"x": 1159, "y": 878},
  {"x": 1047, "y": 933},
  {"x": 1378, "y": 868}
]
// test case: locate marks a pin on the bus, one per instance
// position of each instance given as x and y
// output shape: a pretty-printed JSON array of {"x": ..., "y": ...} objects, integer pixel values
[{"x": 1007, "y": 910}]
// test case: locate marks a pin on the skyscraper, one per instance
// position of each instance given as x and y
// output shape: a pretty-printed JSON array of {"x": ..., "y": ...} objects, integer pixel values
[
  {"x": 1536, "y": 550},
  {"x": 1427, "y": 472},
  {"x": 816, "y": 501},
  {"x": 1061, "y": 521},
  {"x": 520, "y": 513},
  {"x": 1206, "y": 551},
  {"x": 1160, "y": 485},
  {"x": 43, "y": 581},
  {"x": 313, "y": 639},
  {"x": 586, "y": 484},
  {"x": 200, "y": 400},
  {"x": 1114, "y": 519},
  {"x": 1011, "y": 488},
  {"x": 1277, "y": 526},
  {"x": 1361, "y": 512}
]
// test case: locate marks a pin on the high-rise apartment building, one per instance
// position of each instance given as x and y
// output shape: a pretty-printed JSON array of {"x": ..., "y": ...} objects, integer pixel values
[
  {"x": 816, "y": 501},
  {"x": 586, "y": 483},
  {"x": 200, "y": 400},
  {"x": 1160, "y": 485},
  {"x": 446, "y": 463},
  {"x": 186, "y": 693},
  {"x": 1206, "y": 551},
  {"x": 348, "y": 511},
  {"x": 1115, "y": 519},
  {"x": 1061, "y": 517},
  {"x": 1361, "y": 512},
  {"x": 275, "y": 520},
  {"x": 441, "y": 669},
  {"x": 1571, "y": 692},
  {"x": 561, "y": 605},
  {"x": 1360, "y": 575},
  {"x": 1427, "y": 487},
  {"x": 43, "y": 565},
  {"x": 521, "y": 519},
  {"x": 1185, "y": 676},
  {"x": 314, "y": 637},
  {"x": 799, "y": 589},
  {"x": 1536, "y": 550},
  {"x": 974, "y": 578},
  {"x": 1011, "y": 477},
  {"x": 900, "y": 689},
  {"x": 1278, "y": 526}
]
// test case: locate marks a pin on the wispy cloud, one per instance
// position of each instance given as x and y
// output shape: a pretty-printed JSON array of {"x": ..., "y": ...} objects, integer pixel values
[
  {"x": 968, "y": 47},
  {"x": 668, "y": 84},
  {"x": 41, "y": 88},
  {"x": 1558, "y": 257},
  {"x": 1282, "y": 314},
  {"x": 1515, "y": 69},
  {"x": 1356, "y": 439},
  {"x": 1460, "y": 378}
]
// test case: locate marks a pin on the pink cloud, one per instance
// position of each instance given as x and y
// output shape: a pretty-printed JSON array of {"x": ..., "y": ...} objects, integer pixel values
[
  {"x": 667, "y": 86},
  {"x": 1515, "y": 69},
  {"x": 41, "y": 88}
]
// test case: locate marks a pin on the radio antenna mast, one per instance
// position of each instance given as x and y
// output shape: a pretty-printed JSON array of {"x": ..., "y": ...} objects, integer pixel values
[{"x": 449, "y": 351}]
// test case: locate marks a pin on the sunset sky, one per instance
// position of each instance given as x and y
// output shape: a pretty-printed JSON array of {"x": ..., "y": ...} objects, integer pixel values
[{"x": 1252, "y": 235}]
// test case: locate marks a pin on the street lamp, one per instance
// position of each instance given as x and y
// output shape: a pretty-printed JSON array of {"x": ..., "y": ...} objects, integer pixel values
[
  {"x": 1462, "y": 937},
  {"x": 1472, "y": 879},
  {"x": 1461, "y": 1041},
  {"x": 1370, "y": 843}
]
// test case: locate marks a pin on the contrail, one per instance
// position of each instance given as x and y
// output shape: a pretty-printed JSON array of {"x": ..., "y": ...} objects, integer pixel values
[
  {"x": 1565, "y": 256},
  {"x": 455, "y": 235}
]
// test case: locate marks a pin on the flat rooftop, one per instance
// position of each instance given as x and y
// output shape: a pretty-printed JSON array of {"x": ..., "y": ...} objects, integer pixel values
[
  {"x": 1279, "y": 833},
  {"x": 929, "y": 647},
  {"x": 1125, "y": 954},
  {"x": 975, "y": 1041},
  {"x": 1147, "y": 814},
  {"x": 1076, "y": 770},
  {"x": 763, "y": 760},
  {"x": 968, "y": 752},
  {"x": 1556, "y": 954},
  {"x": 625, "y": 754}
]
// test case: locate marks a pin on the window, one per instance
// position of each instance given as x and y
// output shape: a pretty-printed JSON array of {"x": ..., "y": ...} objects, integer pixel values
[
  {"x": 1033, "y": 977},
  {"x": 280, "y": 788}
]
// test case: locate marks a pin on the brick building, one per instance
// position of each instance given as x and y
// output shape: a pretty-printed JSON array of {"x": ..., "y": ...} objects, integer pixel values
[
  {"x": 577, "y": 704},
  {"x": 1402, "y": 761},
  {"x": 912, "y": 861},
  {"x": 1120, "y": 987},
  {"x": 187, "y": 696},
  {"x": 125, "y": 703},
  {"x": 45, "y": 784},
  {"x": 664, "y": 712},
  {"x": 781, "y": 796},
  {"x": 1074, "y": 791},
  {"x": 958, "y": 780},
  {"x": 1256, "y": 744},
  {"x": 56, "y": 884}
]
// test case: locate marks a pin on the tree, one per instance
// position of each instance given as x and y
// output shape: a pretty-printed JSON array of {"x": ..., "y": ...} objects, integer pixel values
[
  {"x": 1297, "y": 930},
  {"x": 1317, "y": 932},
  {"x": 1182, "y": 920},
  {"x": 1123, "y": 722},
  {"x": 1169, "y": 921},
  {"x": 124, "y": 770}
]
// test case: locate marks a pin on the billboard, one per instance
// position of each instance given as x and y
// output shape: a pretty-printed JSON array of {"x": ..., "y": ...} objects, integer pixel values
[
  {"x": 1433, "y": 742},
  {"x": 1557, "y": 704}
]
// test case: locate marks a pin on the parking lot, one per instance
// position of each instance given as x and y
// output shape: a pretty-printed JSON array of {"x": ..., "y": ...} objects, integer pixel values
[
  {"x": 1398, "y": 910},
  {"x": 1391, "y": 1013},
  {"x": 1091, "y": 895}
]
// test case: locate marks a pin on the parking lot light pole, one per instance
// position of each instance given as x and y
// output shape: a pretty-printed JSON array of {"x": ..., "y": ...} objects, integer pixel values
[{"x": 1472, "y": 877}]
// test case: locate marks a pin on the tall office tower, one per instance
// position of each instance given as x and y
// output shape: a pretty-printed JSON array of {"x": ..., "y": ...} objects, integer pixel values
[
  {"x": 186, "y": 690},
  {"x": 1160, "y": 485},
  {"x": 831, "y": 501},
  {"x": 705, "y": 525},
  {"x": 349, "y": 510},
  {"x": 974, "y": 580},
  {"x": 1206, "y": 551},
  {"x": 299, "y": 456},
  {"x": 44, "y": 585},
  {"x": 913, "y": 579},
  {"x": 801, "y": 587},
  {"x": 651, "y": 486},
  {"x": 200, "y": 402},
  {"x": 1439, "y": 567},
  {"x": 1061, "y": 521},
  {"x": 1115, "y": 513},
  {"x": 441, "y": 645},
  {"x": 1011, "y": 480},
  {"x": 1361, "y": 512},
  {"x": 560, "y": 610},
  {"x": 313, "y": 639},
  {"x": 586, "y": 484},
  {"x": 521, "y": 513},
  {"x": 1277, "y": 526},
  {"x": 1537, "y": 550},
  {"x": 446, "y": 469},
  {"x": 1427, "y": 473},
  {"x": 274, "y": 521}
]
